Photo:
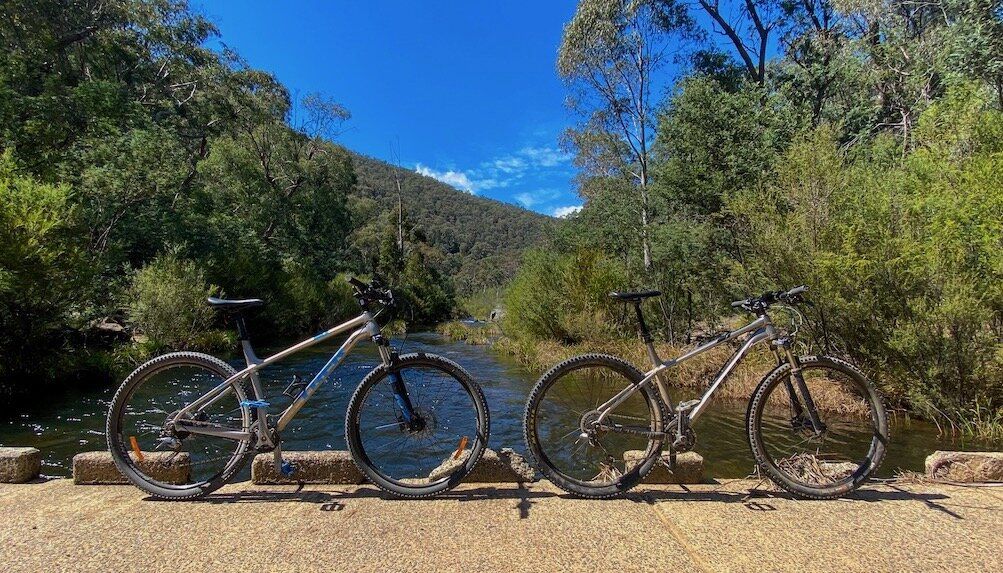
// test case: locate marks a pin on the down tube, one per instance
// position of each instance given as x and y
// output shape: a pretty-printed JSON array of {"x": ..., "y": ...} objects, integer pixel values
[
  {"x": 705, "y": 399},
  {"x": 320, "y": 377}
]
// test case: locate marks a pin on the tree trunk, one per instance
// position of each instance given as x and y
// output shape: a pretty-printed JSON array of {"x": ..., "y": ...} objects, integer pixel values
[{"x": 645, "y": 241}]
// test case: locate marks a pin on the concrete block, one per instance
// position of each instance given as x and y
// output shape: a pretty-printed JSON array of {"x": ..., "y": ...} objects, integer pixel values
[
  {"x": 98, "y": 468},
  {"x": 331, "y": 467},
  {"x": 688, "y": 469},
  {"x": 966, "y": 467},
  {"x": 504, "y": 466},
  {"x": 18, "y": 465}
]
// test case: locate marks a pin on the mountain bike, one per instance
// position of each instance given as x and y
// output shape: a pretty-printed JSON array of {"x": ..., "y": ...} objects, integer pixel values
[
  {"x": 596, "y": 425},
  {"x": 183, "y": 424}
]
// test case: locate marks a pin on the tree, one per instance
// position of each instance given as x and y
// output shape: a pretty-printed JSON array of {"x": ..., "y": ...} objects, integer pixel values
[
  {"x": 609, "y": 54},
  {"x": 749, "y": 31}
]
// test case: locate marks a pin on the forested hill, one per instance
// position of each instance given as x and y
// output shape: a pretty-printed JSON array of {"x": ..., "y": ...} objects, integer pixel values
[{"x": 481, "y": 239}]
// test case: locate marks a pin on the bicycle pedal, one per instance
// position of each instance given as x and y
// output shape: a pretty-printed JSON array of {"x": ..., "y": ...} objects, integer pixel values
[
  {"x": 287, "y": 468},
  {"x": 254, "y": 403}
]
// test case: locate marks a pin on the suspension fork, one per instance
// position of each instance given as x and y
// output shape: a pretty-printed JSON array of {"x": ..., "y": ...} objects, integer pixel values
[
  {"x": 796, "y": 410},
  {"x": 401, "y": 396},
  {"x": 802, "y": 389}
]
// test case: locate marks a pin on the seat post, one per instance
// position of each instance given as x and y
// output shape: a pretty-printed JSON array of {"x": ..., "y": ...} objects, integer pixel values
[
  {"x": 241, "y": 327},
  {"x": 641, "y": 326}
]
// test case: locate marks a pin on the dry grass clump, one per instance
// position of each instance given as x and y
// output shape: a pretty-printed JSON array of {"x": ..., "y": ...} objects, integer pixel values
[{"x": 472, "y": 333}]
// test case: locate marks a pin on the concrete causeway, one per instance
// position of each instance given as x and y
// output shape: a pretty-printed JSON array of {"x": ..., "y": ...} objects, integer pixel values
[{"x": 56, "y": 526}]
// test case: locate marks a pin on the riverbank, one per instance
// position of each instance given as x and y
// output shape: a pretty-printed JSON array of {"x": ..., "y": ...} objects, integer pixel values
[{"x": 490, "y": 527}]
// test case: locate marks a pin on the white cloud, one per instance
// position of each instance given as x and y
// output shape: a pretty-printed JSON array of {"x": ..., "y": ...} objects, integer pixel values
[
  {"x": 505, "y": 171},
  {"x": 457, "y": 179},
  {"x": 545, "y": 156},
  {"x": 527, "y": 200},
  {"x": 563, "y": 212}
]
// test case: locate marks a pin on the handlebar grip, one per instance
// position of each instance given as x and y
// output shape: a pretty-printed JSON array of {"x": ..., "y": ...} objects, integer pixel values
[
  {"x": 357, "y": 283},
  {"x": 738, "y": 303},
  {"x": 797, "y": 290}
]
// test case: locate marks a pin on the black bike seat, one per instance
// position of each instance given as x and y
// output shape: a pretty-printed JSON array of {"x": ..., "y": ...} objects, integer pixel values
[
  {"x": 234, "y": 305},
  {"x": 635, "y": 296}
]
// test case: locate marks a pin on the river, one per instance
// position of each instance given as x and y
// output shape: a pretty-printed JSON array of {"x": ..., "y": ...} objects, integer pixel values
[{"x": 74, "y": 422}]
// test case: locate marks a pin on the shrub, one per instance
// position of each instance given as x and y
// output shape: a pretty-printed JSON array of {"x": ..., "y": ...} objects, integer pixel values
[
  {"x": 39, "y": 269},
  {"x": 902, "y": 252},
  {"x": 167, "y": 303},
  {"x": 564, "y": 296}
]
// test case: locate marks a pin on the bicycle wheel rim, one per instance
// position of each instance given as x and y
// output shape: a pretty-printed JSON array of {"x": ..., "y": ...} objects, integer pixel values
[
  {"x": 848, "y": 450},
  {"x": 614, "y": 457},
  {"x": 439, "y": 453},
  {"x": 141, "y": 421}
]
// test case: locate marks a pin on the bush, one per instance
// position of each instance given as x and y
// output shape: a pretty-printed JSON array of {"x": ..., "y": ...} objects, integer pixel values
[
  {"x": 902, "y": 252},
  {"x": 167, "y": 303},
  {"x": 564, "y": 297},
  {"x": 39, "y": 269}
]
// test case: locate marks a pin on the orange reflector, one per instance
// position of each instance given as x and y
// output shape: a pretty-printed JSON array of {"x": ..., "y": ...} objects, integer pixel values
[
  {"x": 135, "y": 448},
  {"x": 460, "y": 448}
]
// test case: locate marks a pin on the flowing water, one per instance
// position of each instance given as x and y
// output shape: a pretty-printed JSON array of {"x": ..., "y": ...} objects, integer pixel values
[{"x": 75, "y": 422}]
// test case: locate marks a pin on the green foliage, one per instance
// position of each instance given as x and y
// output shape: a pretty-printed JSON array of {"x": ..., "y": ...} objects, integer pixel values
[
  {"x": 903, "y": 256},
  {"x": 163, "y": 141},
  {"x": 863, "y": 160},
  {"x": 480, "y": 305},
  {"x": 167, "y": 302},
  {"x": 38, "y": 260},
  {"x": 563, "y": 297}
]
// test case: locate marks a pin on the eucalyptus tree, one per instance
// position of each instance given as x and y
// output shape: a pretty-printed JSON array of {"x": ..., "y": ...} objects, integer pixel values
[
  {"x": 748, "y": 25},
  {"x": 609, "y": 55}
]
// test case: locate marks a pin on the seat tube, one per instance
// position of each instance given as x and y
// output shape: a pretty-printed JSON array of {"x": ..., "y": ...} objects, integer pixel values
[{"x": 656, "y": 361}]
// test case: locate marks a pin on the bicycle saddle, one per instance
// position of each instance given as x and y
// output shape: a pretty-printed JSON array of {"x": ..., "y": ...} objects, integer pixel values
[
  {"x": 634, "y": 296},
  {"x": 231, "y": 305}
]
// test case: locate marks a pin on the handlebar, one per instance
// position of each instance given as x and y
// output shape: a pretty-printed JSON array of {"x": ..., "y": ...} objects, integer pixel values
[
  {"x": 761, "y": 303},
  {"x": 373, "y": 291}
]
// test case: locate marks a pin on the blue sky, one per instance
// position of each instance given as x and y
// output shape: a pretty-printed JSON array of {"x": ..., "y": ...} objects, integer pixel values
[{"x": 466, "y": 90}]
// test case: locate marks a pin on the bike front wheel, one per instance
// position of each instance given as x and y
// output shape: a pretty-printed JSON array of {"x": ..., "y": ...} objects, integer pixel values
[
  {"x": 431, "y": 448},
  {"x": 818, "y": 463}
]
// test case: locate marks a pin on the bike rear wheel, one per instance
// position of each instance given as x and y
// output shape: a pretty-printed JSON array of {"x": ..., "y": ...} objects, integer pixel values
[
  {"x": 785, "y": 444},
  {"x": 434, "y": 450},
  {"x": 150, "y": 453},
  {"x": 604, "y": 463}
]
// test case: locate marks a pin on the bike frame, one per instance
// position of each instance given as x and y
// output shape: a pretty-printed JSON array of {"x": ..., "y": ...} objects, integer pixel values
[
  {"x": 361, "y": 326},
  {"x": 761, "y": 329}
]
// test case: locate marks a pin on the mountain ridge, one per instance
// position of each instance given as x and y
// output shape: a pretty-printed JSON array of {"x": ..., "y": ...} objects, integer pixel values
[{"x": 481, "y": 238}]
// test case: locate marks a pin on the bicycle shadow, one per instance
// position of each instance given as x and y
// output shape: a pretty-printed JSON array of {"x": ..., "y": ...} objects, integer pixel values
[
  {"x": 526, "y": 495},
  {"x": 760, "y": 499},
  {"x": 336, "y": 500}
]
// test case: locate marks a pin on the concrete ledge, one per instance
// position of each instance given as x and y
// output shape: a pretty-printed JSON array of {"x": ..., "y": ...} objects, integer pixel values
[
  {"x": 689, "y": 468},
  {"x": 98, "y": 468},
  {"x": 337, "y": 467},
  {"x": 18, "y": 465},
  {"x": 331, "y": 467},
  {"x": 504, "y": 466},
  {"x": 965, "y": 467}
]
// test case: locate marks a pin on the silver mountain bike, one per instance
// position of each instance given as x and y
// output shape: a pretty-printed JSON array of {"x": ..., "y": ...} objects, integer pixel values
[
  {"x": 595, "y": 424},
  {"x": 183, "y": 424}
]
